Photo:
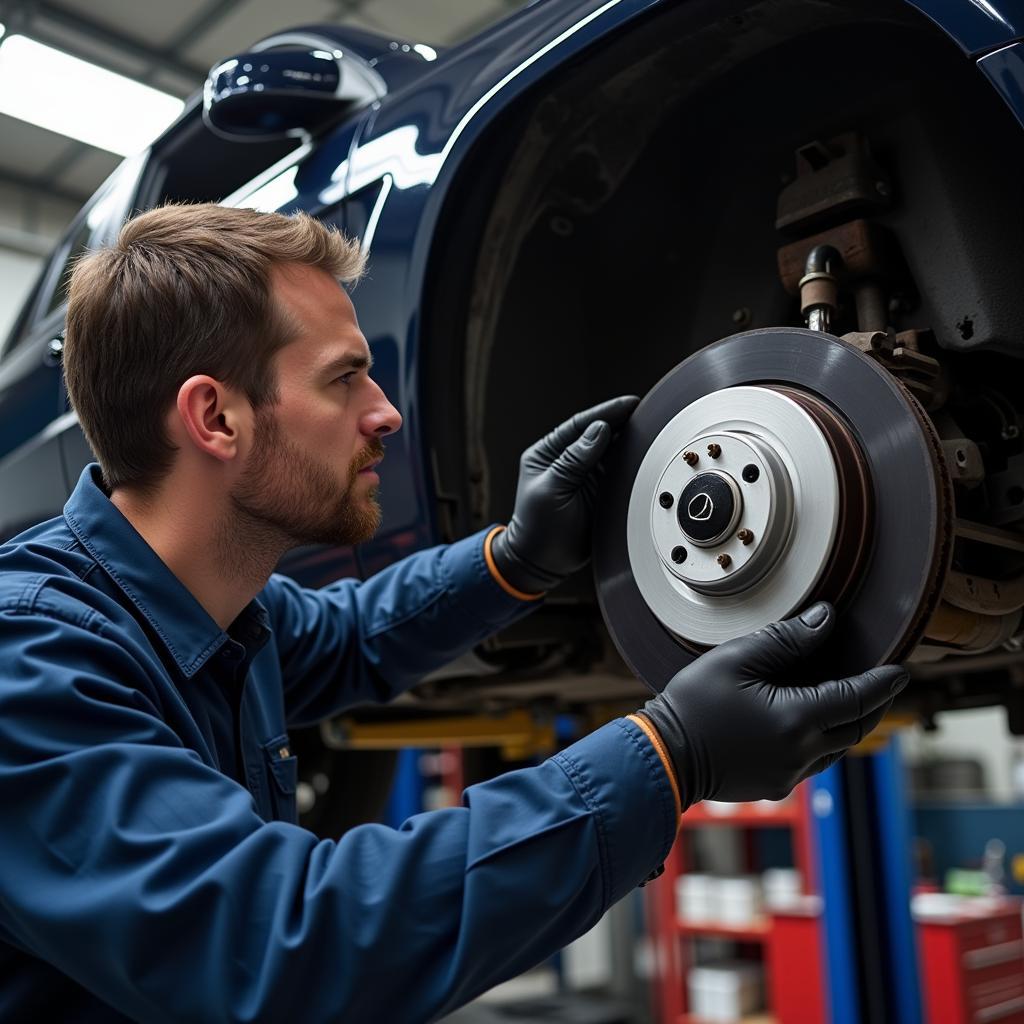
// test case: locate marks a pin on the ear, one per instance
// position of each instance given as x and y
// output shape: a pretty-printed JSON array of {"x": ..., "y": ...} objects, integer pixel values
[{"x": 210, "y": 414}]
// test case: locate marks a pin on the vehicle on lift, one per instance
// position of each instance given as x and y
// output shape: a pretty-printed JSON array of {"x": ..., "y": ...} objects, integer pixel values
[{"x": 577, "y": 204}]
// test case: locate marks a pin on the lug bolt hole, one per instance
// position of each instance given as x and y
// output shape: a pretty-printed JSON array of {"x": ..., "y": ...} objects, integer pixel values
[
  {"x": 665, "y": 499},
  {"x": 678, "y": 555},
  {"x": 751, "y": 473}
]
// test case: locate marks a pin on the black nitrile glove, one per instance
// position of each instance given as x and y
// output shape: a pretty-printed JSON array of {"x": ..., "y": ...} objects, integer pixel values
[
  {"x": 548, "y": 536},
  {"x": 738, "y": 728}
]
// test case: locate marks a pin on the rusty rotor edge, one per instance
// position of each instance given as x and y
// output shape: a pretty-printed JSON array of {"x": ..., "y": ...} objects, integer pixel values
[{"x": 943, "y": 559}]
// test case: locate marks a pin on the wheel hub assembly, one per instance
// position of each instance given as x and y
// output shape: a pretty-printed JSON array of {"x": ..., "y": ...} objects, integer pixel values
[{"x": 769, "y": 470}]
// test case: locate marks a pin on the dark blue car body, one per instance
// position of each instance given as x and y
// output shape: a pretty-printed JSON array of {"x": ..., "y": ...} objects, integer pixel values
[{"x": 434, "y": 174}]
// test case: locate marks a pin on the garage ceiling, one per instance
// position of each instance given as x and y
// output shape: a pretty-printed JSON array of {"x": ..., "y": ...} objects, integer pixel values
[{"x": 171, "y": 45}]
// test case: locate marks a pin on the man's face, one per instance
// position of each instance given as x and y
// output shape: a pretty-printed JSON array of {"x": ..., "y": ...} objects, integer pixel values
[{"x": 306, "y": 471}]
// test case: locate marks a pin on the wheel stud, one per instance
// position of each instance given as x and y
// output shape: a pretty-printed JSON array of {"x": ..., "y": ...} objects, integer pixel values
[
  {"x": 714, "y": 450},
  {"x": 724, "y": 560},
  {"x": 678, "y": 555},
  {"x": 665, "y": 499},
  {"x": 745, "y": 536},
  {"x": 690, "y": 458}
]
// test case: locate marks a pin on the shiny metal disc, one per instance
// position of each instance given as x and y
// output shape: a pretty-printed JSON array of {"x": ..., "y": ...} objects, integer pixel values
[
  {"x": 647, "y": 606},
  {"x": 791, "y": 509}
]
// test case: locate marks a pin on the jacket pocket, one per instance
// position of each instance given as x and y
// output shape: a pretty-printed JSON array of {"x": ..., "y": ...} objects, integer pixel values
[{"x": 283, "y": 769}]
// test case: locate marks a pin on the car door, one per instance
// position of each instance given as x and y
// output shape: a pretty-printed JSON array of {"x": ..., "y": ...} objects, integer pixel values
[
  {"x": 33, "y": 408},
  {"x": 42, "y": 449}
]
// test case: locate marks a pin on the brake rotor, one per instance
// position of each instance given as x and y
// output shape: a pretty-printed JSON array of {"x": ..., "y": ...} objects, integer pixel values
[{"x": 769, "y": 470}]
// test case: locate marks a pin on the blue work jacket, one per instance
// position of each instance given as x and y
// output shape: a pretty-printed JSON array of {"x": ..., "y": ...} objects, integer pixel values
[{"x": 151, "y": 866}]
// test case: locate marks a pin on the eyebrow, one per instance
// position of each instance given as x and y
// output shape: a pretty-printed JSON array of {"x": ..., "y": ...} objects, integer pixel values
[{"x": 351, "y": 361}]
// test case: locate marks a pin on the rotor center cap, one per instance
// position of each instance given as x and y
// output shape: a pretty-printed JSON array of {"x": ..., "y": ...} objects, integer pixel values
[{"x": 707, "y": 507}]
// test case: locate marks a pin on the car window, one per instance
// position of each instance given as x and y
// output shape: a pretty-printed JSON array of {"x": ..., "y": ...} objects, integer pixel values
[
  {"x": 192, "y": 165},
  {"x": 51, "y": 290},
  {"x": 77, "y": 245},
  {"x": 19, "y": 331}
]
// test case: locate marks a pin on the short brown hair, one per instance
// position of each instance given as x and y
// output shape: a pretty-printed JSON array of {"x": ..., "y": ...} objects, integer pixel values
[{"x": 184, "y": 290}]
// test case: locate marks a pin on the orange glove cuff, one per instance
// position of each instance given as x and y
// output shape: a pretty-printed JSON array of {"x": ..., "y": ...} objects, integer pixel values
[
  {"x": 652, "y": 734},
  {"x": 499, "y": 579}
]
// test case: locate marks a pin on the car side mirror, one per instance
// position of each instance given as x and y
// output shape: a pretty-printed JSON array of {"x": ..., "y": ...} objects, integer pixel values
[{"x": 294, "y": 92}]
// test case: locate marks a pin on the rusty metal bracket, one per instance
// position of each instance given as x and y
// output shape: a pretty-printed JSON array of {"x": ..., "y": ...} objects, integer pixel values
[
  {"x": 869, "y": 342},
  {"x": 900, "y": 354},
  {"x": 833, "y": 176},
  {"x": 963, "y": 457},
  {"x": 864, "y": 249}
]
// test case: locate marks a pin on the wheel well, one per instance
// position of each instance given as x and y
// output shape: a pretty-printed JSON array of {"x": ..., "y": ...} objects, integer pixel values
[{"x": 633, "y": 220}]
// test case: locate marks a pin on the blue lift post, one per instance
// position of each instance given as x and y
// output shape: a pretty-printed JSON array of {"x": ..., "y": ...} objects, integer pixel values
[
  {"x": 406, "y": 797},
  {"x": 894, "y": 874},
  {"x": 828, "y": 806},
  {"x": 895, "y": 841}
]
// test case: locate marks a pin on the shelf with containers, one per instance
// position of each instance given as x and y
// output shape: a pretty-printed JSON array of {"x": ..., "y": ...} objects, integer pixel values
[{"x": 742, "y": 945}]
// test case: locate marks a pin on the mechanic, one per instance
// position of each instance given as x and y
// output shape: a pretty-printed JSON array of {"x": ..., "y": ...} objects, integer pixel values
[{"x": 152, "y": 663}]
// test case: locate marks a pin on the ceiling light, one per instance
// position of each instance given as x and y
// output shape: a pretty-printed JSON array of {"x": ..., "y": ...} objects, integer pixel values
[{"x": 59, "y": 92}]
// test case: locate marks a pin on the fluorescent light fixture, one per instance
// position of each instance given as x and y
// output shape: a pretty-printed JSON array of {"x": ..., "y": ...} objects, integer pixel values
[
  {"x": 3, "y": 29},
  {"x": 426, "y": 52},
  {"x": 59, "y": 92}
]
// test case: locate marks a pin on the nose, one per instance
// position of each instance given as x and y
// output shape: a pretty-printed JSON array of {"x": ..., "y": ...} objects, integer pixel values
[{"x": 381, "y": 418}]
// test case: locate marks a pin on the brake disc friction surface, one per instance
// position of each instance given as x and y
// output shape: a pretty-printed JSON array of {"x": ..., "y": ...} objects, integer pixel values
[{"x": 909, "y": 546}]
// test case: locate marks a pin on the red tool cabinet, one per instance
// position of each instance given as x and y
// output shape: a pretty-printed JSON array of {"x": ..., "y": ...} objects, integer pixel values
[{"x": 972, "y": 965}]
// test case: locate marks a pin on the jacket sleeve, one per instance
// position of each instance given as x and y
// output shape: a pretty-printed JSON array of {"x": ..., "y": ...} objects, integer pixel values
[
  {"x": 354, "y": 642},
  {"x": 147, "y": 876}
]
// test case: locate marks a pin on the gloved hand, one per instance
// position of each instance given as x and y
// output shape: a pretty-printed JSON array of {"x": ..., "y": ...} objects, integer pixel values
[
  {"x": 737, "y": 727},
  {"x": 548, "y": 536}
]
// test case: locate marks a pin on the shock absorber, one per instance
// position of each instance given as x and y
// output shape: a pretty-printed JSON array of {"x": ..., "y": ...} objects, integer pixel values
[{"x": 819, "y": 287}]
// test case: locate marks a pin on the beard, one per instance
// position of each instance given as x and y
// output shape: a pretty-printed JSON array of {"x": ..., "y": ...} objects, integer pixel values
[{"x": 286, "y": 493}]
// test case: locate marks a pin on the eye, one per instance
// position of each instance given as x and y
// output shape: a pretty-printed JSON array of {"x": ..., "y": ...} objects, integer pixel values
[{"x": 345, "y": 378}]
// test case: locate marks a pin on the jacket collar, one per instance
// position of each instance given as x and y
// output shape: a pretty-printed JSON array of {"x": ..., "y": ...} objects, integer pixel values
[{"x": 183, "y": 625}]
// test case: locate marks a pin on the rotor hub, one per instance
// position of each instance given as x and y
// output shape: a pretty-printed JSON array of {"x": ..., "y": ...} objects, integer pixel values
[
  {"x": 734, "y": 520},
  {"x": 769, "y": 507}
]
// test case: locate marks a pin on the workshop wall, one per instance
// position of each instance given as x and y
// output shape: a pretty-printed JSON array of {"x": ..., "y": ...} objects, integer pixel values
[{"x": 978, "y": 735}]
